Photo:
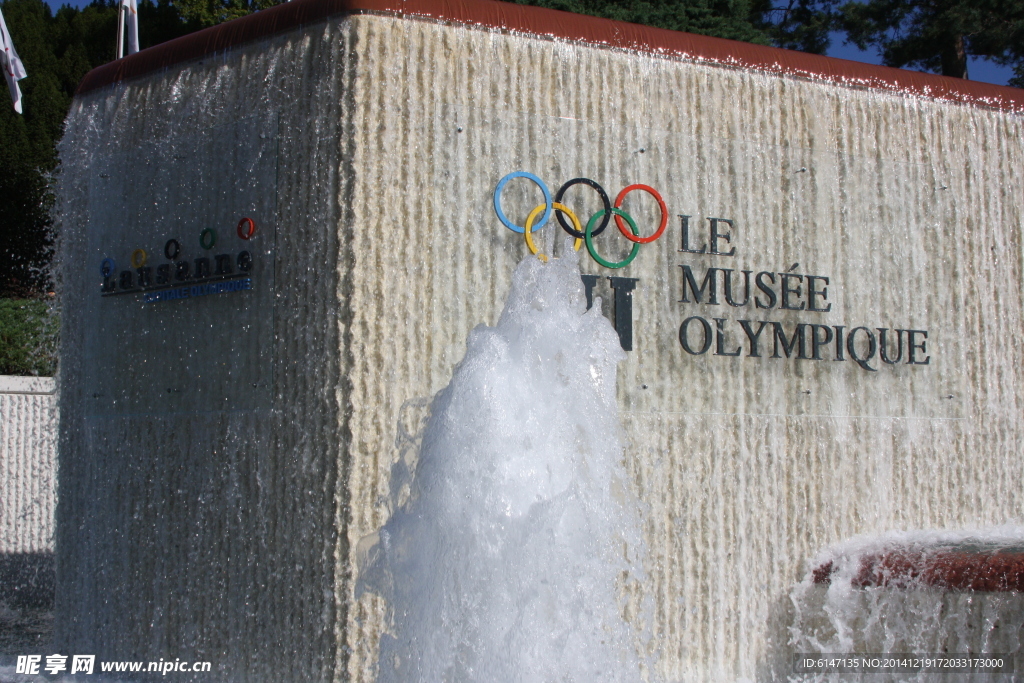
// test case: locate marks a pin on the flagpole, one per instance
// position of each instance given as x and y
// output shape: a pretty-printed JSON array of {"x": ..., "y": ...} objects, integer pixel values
[{"x": 120, "y": 30}]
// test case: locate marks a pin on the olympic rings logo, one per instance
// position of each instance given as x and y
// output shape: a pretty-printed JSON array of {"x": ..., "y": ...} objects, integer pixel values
[{"x": 594, "y": 226}]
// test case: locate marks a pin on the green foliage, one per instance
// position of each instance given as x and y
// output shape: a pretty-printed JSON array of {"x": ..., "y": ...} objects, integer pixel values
[
  {"x": 938, "y": 35},
  {"x": 933, "y": 35},
  {"x": 58, "y": 50},
  {"x": 733, "y": 19},
  {"x": 28, "y": 337},
  {"x": 27, "y": 153},
  {"x": 929, "y": 35},
  {"x": 803, "y": 25},
  {"x": 202, "y": 13}
]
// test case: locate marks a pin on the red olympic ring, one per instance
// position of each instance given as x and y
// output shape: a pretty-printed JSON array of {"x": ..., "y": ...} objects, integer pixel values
[
  {"x": 250, "y": 232},
  {"x": 622, "y": 225}
]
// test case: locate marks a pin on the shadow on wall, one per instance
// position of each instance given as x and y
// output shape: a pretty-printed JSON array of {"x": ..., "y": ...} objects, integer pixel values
[
  {"x": 27, "y": 582},
  {"x": 776, "y": 661}
]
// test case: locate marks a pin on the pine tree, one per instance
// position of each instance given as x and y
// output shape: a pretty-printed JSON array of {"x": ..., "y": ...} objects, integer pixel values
[
  {"x": 733, "y": 19},
  {"x": 938, "y": 35},
  {"x": 58, "y": 50},
  {"x": 27, "y": 153}
]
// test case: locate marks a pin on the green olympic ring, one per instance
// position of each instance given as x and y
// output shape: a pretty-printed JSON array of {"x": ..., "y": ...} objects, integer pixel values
[
  {"x": 208, "y": 238},
  {"x": 588, "y": 236}
]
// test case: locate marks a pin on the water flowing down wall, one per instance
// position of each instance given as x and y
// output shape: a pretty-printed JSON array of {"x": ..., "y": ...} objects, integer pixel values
[
  {"x": 916, "y": 592},
  {"x": 201, "y": 438},
  {"x": 225, "y": 522}
]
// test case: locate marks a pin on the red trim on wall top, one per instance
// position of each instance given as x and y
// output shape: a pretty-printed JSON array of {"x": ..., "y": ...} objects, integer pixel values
[{"x": 539, "y": 21}]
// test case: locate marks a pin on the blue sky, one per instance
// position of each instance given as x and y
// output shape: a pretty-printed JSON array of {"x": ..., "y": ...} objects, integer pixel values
[
  {"x": 74, "y": 3},
  {"x": 978, "y": 69}
]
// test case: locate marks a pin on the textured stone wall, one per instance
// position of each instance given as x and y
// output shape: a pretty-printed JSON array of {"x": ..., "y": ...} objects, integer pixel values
[
  {"x": 28, "y": 474},
  {"x": 749, "y": 465}
]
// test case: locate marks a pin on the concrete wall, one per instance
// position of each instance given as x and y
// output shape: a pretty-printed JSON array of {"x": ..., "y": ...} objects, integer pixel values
[
  {"x": 202, "y": 440},
  {"x": 28, "y": 497},
  {"x": 224, "y": 523},
  {"x": 28, "y": 475}
]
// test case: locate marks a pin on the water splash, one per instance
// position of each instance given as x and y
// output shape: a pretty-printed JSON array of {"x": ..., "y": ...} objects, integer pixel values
[
  {"x": 879, "y": 594},
  {"x": 509, "y": 558}
]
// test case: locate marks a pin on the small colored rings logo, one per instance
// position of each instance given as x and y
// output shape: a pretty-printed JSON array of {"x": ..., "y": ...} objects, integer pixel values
[
  {"x": 595, "y": 225},
  {"x": 171, "y": 249},
  {"x": 108, "y": 267},
  {"x": 208, "y": 238},
  {"x": 246, "y": 228}
]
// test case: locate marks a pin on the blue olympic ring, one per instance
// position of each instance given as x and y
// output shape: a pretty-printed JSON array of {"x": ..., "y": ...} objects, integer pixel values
[
  {"x": 501, "y": 214},
  {"x": 107, "y": 267}
]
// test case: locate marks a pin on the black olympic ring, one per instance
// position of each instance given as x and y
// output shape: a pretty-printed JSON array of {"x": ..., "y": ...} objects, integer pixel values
[
  {"x": 604, "y": 198},
  {"x": 171, "y": 249}
]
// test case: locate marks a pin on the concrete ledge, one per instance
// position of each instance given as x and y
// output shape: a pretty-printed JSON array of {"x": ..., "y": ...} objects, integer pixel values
[{"x": 10, "y": 384}]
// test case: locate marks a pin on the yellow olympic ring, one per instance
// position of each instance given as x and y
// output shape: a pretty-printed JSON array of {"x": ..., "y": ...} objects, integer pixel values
[
  {"x": 139, "y": 257},
  {"x": 536, "y": 212}
]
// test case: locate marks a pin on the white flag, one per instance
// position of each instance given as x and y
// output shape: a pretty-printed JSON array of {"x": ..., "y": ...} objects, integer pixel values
[
  {"x": 14, "y": 70},
  {"x": 131, "y": 19}
]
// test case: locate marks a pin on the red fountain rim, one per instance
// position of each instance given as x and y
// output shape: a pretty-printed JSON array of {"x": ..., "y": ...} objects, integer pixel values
[
  {"x": 948, "y": 569},
  {"x": 554, "y": 24}
]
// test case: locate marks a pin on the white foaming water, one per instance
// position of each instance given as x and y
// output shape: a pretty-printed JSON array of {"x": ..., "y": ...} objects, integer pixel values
[
  {"x": 907, "y": 616},
  {"x": 519, "y": 535}
]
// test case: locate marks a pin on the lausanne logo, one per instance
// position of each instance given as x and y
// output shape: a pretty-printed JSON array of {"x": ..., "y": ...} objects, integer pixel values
[{"x": 180, "y": 278}]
